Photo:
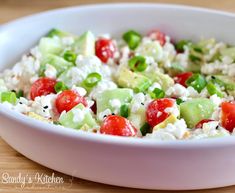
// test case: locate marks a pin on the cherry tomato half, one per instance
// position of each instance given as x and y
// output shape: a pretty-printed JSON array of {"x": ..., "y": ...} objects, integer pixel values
[
  {"x": 182, "y": 78},
  {"x": 68, "y": 99},
  {"x": 155, "y": 113},
  {"x": 200, "y": 123},
  {"x": 117, "y": 125},
  {"x": 42, "y": 86},
  {"x": 228, "y": 115},
  {"x": 104, "y": 49},
  {"x": 158, "y": 35}
]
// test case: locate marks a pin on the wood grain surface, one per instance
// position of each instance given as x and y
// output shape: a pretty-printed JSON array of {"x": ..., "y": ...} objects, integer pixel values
[{"x": 14, "y": 164}]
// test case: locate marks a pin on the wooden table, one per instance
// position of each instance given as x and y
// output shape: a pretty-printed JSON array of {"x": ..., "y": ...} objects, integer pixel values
[{"x": 14, "y": 164}]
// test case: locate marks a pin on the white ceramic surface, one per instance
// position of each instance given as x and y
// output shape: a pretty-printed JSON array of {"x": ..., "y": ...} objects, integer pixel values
[{"x": 113, "y": 160}]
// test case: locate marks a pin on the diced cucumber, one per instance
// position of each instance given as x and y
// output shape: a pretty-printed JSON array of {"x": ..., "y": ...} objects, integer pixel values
[
  {"x": 137, "y": 82},
  {"x": 151, "y": 49},
  {"x": 65, "y": 77},
  {"x": 58, "y": 62},
  {"x": 85, "y": 44},
  {"x": 195, "y": 110},
  {"x": 104, "y": 99},
  {"x": 50, "y": 46},
  {"x": 58, "y": 33},
  {"x": 70, "y": 120}
]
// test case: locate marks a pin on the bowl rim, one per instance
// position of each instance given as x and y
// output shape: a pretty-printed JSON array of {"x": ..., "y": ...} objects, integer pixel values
[{"x": 52, "y": 129}]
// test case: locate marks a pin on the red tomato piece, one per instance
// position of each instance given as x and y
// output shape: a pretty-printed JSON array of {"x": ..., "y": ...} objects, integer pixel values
[
  {"x": 117, "y": 125},
  {"x": 158, "y": 35},
  {"x": 42, "y": 86},
  {"x": 182, "y": 78},
  {"x": 228, "y": 115},
  {"x": 104, "y": 49},
  {"x": 68, "y": 99},
  {"x": 155, "y": 112},
  {"x": 200, "y": 123}
]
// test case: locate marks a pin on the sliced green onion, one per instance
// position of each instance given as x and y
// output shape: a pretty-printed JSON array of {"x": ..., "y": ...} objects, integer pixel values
[
  {"x": 157, "y": 93},
  {"x": 124, "y": 111},
  {"x": 138, "y": 63},
  {"x": 8, "y": 97},
  {"x": 145, "y": 129},
  {"x": 70, "y": 56},
  {"x": 180, "y": 45},
  {"x": 194, "y": 58},
  {"x": 92, "y": 79},
  {"x": 197, "y": 49},
  {"x": 213, "y": 89},
  {"x": 197, "y": 81},
  {"x": 179, "y": 101},
  {"x": 20, "y": 93},
  {"x": 60, "y": 86},
  {"x": 132, "y": 38}
]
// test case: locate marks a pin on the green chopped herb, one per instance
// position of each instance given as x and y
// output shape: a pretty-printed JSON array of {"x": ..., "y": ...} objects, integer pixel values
[
  {"x": 197, "y": 81},
  {"x": 180, "y": 45},
  {"x": 179, "y": 101},
  {"x": 60, "y": 86},
  {"x": 132, "y": 38},
  {"x": 157, "y": 93},
  {"x": 92, "y": 79},
  {"x": 70, "y": 56},
  {"x": 213, "y": 89},
  {"x": 138, "y": 63},
  {"x": 145, "y": 129},
  {"x": 20, "y": 93},
  {"x": 124, "y": 111}
]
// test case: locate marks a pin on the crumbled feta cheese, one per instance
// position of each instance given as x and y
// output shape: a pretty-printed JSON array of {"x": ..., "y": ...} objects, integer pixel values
[
  {"x": 153, "y": 86},
  {"x": 80, "y": 90},
  {"x": 177, "y": 90},
  {"x": 115, "y": 103},
  {"x": 161, "y": 135},
  {"x": 136, "y": 102},
  {"x": 103, "y": 114},
  {"x": 216, "y": 100},
  {"x": 22, "y": 105},
  {"x": 43, "y": 105},
  {"x": 78, "y": 115},
  {"x": 173, "y": 110},
  {"x": 50, "y": 71},
  {"x": 171, "y": 131},
  {"x": 67, "y": 41},
  {"x": 216, "y": 114}
]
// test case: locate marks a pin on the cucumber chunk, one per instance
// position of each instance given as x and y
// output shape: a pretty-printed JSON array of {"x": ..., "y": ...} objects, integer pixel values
[
  {"x": 77, "y": 117},
  {"x": 85, "y": 44},
  {"x": 56, "y": 32},
  {"x": 105, "y": 99},
  {"x": 58, "y": 62},
  {"x": 50, "y": 46},
  {"x": 195, "y": 110}
]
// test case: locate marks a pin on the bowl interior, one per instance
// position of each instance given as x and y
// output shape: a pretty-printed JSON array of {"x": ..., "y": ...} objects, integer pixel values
[{"x": 178, "y": 21}]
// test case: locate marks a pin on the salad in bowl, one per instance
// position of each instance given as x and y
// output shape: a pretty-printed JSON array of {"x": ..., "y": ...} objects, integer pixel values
[{"x": 145, "y": 86}]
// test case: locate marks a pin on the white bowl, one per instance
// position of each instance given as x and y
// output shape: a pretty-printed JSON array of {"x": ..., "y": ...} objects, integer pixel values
[{"x": 121, "y": 161}]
